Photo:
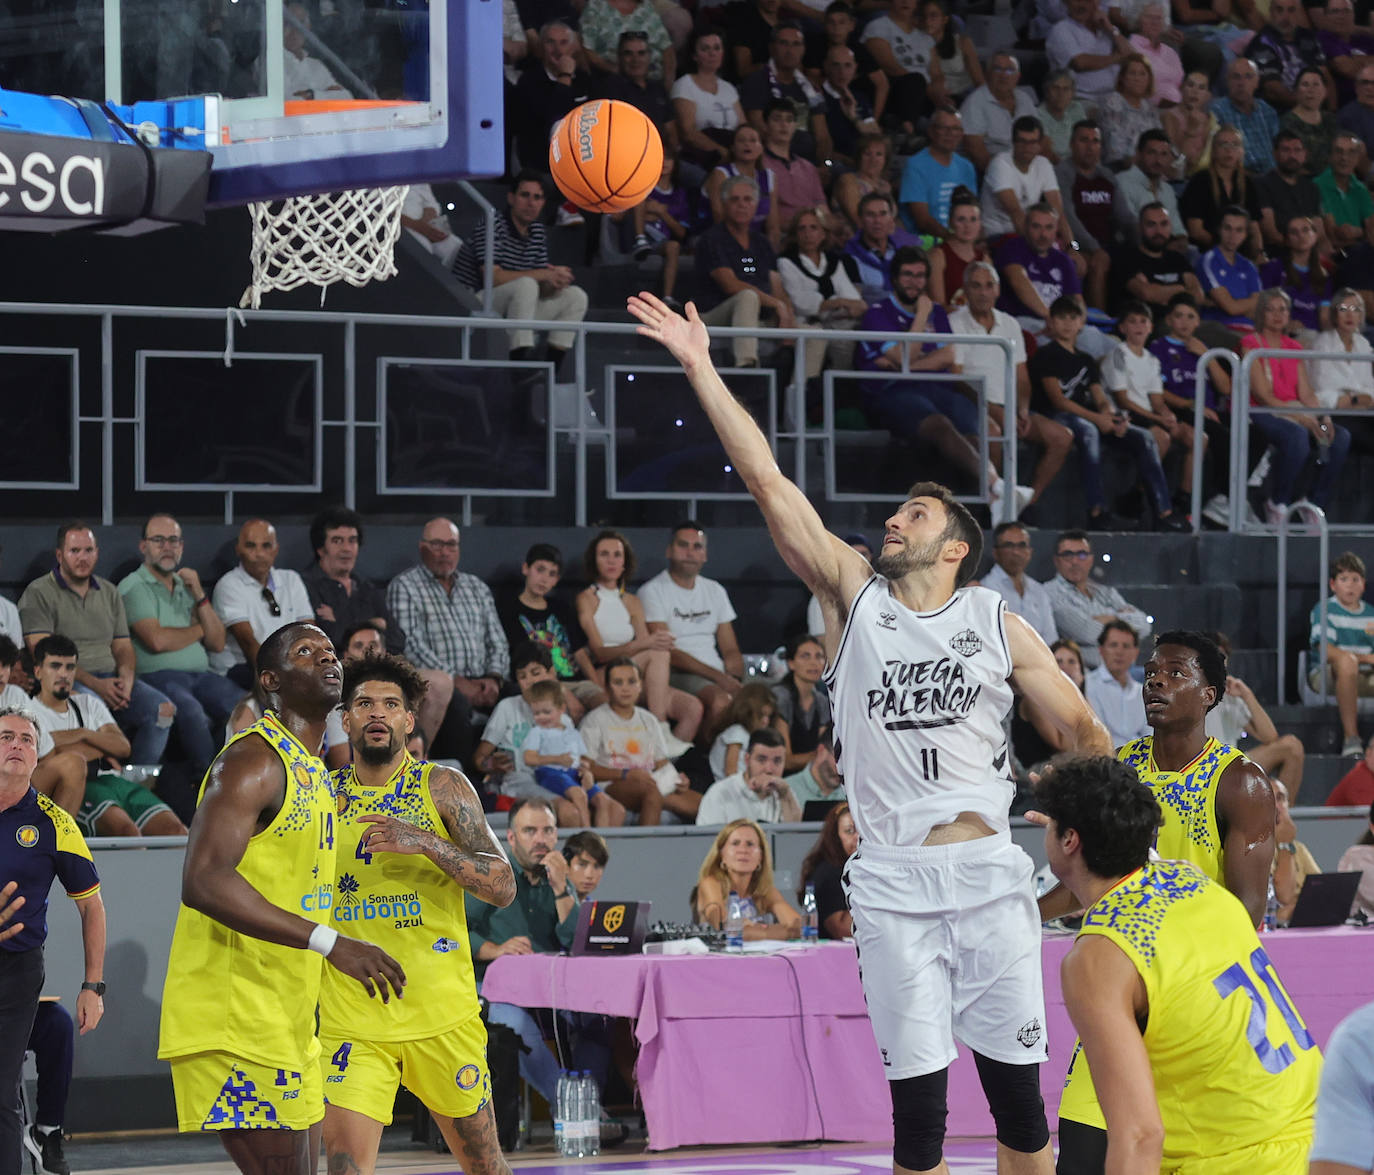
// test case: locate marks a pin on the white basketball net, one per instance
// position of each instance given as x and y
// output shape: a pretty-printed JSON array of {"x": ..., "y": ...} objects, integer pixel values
[{"x": 338, "y": 236}]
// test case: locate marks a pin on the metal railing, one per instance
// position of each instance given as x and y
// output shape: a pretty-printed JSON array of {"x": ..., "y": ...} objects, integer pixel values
[
  {"x": 1281, "y": 621},
  {"x": 581, "y": 433},
  {"x": 1200, "y": 424},
  {"x": 1241, "y": 412}
]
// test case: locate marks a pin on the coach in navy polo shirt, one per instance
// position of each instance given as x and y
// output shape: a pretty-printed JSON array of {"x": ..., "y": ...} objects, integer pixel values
[{"x": 38, "y": 842}]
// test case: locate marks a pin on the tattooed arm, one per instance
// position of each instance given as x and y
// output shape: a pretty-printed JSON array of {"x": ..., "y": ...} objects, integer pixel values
[{"x": 472, "y": 857}]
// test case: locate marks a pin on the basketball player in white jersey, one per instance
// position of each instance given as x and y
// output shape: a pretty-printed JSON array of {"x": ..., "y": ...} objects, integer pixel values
[{"x": 921, "y": 673}]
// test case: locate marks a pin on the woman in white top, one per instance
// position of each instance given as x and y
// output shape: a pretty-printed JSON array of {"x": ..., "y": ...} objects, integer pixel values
[
  {"x": 906, "y": 53},
  {"x": 706, "y": 106},
  {"x": 954, "y": 50},
  {"x": 821, "y": 291},
  {"x": 612, "y": 620},
  {"x": 1346, "y": 383}
]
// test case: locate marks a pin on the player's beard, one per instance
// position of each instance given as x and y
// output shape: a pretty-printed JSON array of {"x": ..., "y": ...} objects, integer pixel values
[
  {"x": 907, "y": 559},
  {"x": 376, "y": 756}
]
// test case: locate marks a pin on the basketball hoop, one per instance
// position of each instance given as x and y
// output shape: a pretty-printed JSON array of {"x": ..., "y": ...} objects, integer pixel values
[{"x": 337, "y": 236}]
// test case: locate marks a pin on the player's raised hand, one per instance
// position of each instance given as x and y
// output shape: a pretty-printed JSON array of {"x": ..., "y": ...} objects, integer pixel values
[
  {"x": 685, "y": 338},
  {"x": 8, "y": 909},
  {"x": 371, "y": 966}
]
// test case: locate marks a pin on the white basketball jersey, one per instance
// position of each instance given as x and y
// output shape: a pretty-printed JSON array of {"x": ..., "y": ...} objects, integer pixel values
[{"x": 919, "y": 700}]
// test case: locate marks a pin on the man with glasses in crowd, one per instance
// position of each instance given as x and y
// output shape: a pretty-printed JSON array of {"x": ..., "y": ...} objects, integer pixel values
[
  {"x": 1358, "y": 116},
  {"x": 174, "y": 630},
  {"x": 782, "y": 77},
  {"x": 1082, "y": 607},
  {"x": 989, "y": 111},
  {"x": 254, "y": 600},
  {"x": 1027, "y": 597},
  {"x": 451, "y": 624}
]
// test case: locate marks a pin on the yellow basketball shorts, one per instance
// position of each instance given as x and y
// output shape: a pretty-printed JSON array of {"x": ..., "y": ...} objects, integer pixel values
[
  {"x": 1279, "y": 1156},
  {"x": 448, "y": 1073},
  {"x": 1078, "y": 1102},
  {"x": 220, "y": 1091}
]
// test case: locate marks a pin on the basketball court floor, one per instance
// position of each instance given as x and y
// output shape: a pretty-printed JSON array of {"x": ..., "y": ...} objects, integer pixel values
[{"x": 203, "y": 1156}]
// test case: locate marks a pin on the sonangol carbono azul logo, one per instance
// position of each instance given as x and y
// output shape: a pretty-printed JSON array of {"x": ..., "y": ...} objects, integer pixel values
[{"x": 27, "y": 836}]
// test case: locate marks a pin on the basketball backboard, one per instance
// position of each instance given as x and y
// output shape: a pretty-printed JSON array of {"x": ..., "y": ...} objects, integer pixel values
[{"x": 288, "y": 97}]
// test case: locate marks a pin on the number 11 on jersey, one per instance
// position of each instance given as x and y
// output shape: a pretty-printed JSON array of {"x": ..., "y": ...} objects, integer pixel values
[{"x": 930, "y": 764}]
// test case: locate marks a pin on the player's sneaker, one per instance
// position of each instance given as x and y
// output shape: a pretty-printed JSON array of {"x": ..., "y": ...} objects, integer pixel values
[
  {"x": 46, "y": 1150},
  {"x": 1352, "y": 748}
]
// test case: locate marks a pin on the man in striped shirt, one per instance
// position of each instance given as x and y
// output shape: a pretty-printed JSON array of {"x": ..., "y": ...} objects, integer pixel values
[
  {"x": 524, "y": 284},
  {"x": 451, "y": 624}
]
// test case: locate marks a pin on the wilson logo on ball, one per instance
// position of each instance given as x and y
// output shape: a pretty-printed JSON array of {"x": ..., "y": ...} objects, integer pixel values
[{"x": 586, "y": 123}]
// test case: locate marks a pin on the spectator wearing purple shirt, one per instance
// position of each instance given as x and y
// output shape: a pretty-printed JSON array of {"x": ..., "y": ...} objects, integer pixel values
[
  {"x": 1346, "y": 46},
  {"x": 1281, "y": 50},
  {"x": 936, "y": 413},
  {"x": 1035, "y": 271},
  {"x": 869, "y": 253},
  {"x": 1299, "y": 273},
  {"x": 1178, "y": 350}
]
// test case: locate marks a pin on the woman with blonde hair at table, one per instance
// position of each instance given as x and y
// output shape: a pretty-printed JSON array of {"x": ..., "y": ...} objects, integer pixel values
[{"x": 739, "y": 862}]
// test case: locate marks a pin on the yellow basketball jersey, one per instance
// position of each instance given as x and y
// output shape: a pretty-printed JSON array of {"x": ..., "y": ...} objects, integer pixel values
[
  {"x": 405, "y": 904},
  {"x": 229, "y": 992},
  {"x": 1233, "y": 1062},
  {"x": 1190, "y": 831}
]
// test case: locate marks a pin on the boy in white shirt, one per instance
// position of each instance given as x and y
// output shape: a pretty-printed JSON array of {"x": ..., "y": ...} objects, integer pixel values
[{"x": 1134, "y": 378}]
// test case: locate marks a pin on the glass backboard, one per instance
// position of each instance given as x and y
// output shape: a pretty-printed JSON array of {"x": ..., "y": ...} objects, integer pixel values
[{"x": 289, "y": 98}]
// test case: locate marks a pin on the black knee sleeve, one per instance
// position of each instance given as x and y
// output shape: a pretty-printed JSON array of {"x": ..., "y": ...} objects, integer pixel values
[
  {"x": 1082, "y": 1149},
  {"x": 1013, "y": 1093},
  {"x": 919, "y": 1109}
]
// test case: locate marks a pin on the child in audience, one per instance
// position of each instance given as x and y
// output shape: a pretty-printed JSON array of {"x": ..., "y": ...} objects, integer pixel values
[
  {"x": 753, "y": 708},
  {"x": 499, "y": 755},
  {"x": 629, "y": 754},
  {"x": 1132, "y": 375},
  {"x": 553, "y": 748},
  {"x": 663, "y": 224}
]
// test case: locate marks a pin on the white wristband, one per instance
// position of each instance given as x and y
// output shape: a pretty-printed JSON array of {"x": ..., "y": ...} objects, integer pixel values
[{"x": 322, "y": 939}]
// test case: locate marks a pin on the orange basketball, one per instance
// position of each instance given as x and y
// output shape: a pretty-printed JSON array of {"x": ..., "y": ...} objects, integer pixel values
[{"x": 605, "y": 156}]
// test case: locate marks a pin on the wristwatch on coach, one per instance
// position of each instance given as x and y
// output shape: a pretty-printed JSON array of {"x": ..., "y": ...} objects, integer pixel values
[
  {"x": 1286, "y": 846},
  {"x": 98, "y": 987}
]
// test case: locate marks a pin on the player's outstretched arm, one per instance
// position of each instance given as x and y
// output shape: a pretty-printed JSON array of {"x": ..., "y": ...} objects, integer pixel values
[
  {"x": 1103, "y": 995},
  {"x": 1036, "y": 675},
  {"x": 1246, "y": 813},
  {"x": 829, "y": 567},
  {"x": 473, "y": 857}
]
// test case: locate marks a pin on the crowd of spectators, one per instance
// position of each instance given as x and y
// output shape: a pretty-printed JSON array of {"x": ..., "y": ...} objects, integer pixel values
[
  {"x": 608, "y": 703},
  {"x": 1116, "y": 155}
]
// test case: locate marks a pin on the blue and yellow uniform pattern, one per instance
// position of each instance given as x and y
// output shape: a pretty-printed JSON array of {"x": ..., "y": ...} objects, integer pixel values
[
  {"x": 238, "y": 1013},
  {"x": 1190, "y": 832},
  {"x": 40, "y": 841},
  {"x": 434, "y": 1040},
  {"x": 1235, "y": 1069}
]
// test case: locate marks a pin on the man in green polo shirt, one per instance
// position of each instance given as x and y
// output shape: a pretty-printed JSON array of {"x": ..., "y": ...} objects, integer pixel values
[
  {"x": 74, "y": 601},
  {"x": 1348, "y": 210},
  {"x": 174, "y": 629},
  {"x": 542, "y": 918}
]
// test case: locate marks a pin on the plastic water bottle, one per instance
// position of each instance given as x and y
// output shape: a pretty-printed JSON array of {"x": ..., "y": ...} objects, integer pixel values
[
  {"x": 560, "y": 1114},
  {"x": 1271, "y": 909},
  {"x": 591, "y": 1103},
  {"x": 810, "y": 928},
  {"x": 734, "y": 924}
]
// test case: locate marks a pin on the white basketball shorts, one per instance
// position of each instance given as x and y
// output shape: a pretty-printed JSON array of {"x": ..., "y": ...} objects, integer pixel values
[{"x": 949, "y": 947}]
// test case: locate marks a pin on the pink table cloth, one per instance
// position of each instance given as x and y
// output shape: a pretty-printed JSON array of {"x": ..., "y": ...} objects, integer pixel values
[{"x": 777, "y": 1048}]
